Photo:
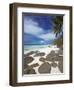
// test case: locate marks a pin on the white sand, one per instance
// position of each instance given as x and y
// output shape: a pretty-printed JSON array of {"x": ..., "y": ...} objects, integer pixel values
[
  {"x": 55, "y": 70},
  {"x": 46, "y": 51}
]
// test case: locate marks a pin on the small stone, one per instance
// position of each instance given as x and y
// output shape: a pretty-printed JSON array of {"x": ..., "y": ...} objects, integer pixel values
[{"x": 44, "y": 68}]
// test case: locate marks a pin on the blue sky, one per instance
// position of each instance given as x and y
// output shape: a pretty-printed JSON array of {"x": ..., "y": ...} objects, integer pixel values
[{"x": 38, "y": 29}]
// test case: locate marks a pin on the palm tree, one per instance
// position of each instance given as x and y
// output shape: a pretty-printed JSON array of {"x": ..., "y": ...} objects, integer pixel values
[{"x": 58, "y": 30}]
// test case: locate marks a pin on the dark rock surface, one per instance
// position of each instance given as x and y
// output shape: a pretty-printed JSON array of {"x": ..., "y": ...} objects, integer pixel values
[
  {"x": 39, "y": 54},
  {"x": 31, "y": 52},
  {"x": 33, "y": 65},
  {"x": 25, "y": 66},
  {"x": 54, "y": 64},
  {"x": 42, "y": 59},
  {"x": 28, "y": 60},
  {"x": 51, "y": 56},
  {"x": 50, "y": 59},
  {"x": 29, "y": 71},
  {"x": 60, "y": 64},
  {"x": 28, "y": 54},
  {"x": 45, "y": 68},
  {"x": 37, "y": 51},
  {"x": 60, "y": 52},
  {"x": 29, "y": 68}
]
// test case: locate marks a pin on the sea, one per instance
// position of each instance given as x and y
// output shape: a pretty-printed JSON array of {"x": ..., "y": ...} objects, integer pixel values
[{"x": 34, "y": 47}]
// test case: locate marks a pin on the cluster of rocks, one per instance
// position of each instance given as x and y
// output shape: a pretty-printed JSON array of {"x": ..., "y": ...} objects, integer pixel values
[
  {"x": 51, "y": 57},
  {"x": 29, "y": 69},
  {"x": 45, "y": 67}
]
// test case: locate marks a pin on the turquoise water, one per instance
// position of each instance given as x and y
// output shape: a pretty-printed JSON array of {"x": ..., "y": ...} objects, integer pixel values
[{"x": 34, "y": 47}]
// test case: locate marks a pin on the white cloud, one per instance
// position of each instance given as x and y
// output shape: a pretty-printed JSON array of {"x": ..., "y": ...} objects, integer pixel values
[
  {"x": 47, "y": 36},
  {"x": 30, "y": 21},
  {"x": 32, "y": 27}
]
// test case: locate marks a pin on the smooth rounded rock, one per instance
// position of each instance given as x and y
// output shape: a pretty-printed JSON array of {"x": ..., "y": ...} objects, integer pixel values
[{"x": 44, "y": 68}]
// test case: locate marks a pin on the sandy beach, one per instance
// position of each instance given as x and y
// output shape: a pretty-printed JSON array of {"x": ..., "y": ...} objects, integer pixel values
[{"x": 48, "y": 60}]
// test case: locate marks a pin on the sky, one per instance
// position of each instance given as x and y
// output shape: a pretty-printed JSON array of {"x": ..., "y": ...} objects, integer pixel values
[{"x": 38, "y": 29}]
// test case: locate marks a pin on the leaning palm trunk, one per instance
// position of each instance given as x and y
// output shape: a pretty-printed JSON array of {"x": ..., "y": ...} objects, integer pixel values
[{"x": 58, "y": 30}]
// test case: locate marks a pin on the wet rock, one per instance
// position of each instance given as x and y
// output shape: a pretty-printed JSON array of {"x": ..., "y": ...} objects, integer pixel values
[
  {"x": 28, "y": 60},
  {"x": 29, "y": 71},
  {"x": 44, "y": 68},
  {"x": 39, "y": 54},
  {"x": 42, "y": 59}
]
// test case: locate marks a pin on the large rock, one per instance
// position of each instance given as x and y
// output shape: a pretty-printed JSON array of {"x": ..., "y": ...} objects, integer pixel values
[
  {"x": 39, "y": 54},
  {"x": 28, "y": 60},
  {"x": 56, "y": 58},
  {"x": 50, "y": 59},
  {"x": 44, "y": 68},
  {"x": 51, "y": 56}
]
